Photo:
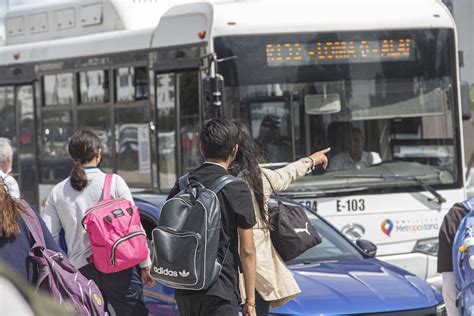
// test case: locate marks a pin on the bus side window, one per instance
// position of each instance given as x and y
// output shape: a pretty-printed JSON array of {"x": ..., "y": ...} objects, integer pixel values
[
  {"x": 98, "y": 119},
  {"x": 133, "y": 145},
  {"x": 56, "y": 125},
  {"x": 93, "y": 86},
  {"x": 131, "y": 84},
  {"x": 58, "y": 89},
  {"x": 57, "y": 128}
]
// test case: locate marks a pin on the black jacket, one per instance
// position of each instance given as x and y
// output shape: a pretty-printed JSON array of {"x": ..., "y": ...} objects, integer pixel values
[{"x": 446, "y": 237}]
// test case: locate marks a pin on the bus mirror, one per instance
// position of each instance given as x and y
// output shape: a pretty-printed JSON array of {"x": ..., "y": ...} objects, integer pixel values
[
  {"x": 466, "y": 103},
  {"x": 317, "y": 104},
  {"x": 213, "y": 96}
]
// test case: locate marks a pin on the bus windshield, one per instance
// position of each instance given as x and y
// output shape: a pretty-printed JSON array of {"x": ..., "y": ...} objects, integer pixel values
[{"x": 383, "y": 101}]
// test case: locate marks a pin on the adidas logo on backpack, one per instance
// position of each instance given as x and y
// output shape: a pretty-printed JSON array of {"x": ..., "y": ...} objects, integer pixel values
[
  {"x": 186, "y": 240},
  {"x": 166, "y": 272},
  {"x": 170, "y": 273}
]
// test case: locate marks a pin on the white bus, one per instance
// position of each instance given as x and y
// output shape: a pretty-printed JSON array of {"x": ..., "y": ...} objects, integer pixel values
[
  {"x": 463, "y": 11},
  {"x": 373, "y": 80}
]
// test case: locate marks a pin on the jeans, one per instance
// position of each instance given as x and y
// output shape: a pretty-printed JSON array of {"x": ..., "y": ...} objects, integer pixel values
[
  {"x": 449, "y": 292},
  {"x": 199, "y": 304},
  {"x": 123, "y": 289}
]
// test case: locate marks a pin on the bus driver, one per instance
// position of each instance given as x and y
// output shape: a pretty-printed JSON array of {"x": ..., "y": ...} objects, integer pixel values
[{"x": 356, "y": 157}]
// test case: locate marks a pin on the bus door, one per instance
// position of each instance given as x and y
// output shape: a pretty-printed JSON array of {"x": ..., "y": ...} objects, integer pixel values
[
  {"x": 178, "y": 82},
  {"x": 26, "y": 142},
  {"x": 18, "y": 125},
  {"x": 179, "y": 116}
]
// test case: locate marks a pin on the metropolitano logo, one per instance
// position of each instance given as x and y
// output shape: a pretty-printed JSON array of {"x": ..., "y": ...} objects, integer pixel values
[
  {"x": 409, "y": 226},
  {"x": 387, "y": 227}
]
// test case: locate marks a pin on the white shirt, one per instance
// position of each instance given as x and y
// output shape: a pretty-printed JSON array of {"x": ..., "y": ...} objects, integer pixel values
[
  {"x": 11, "y": 183},
  {"x": 65, "y": 208},
  {"x": 344, "y": 161}
]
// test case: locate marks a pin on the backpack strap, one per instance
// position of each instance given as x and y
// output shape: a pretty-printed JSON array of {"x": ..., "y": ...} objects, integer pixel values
[
  {"x": 468, "y": 204},
  {"x": 221, "y": 182},
  {"x": 107, "y": 187},
  {"x": 270, "y": 183},
  {"x": 183, "y": 182},
  {"x": 32, "y": 222}
]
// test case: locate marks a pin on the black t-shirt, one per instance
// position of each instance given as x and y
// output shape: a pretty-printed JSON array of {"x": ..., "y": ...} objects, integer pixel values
[
  {"x": 236, "y": 212},
  {"x": 446, "y": 237}
]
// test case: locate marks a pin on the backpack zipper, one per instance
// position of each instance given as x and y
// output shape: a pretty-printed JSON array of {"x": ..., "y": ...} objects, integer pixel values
[
  {"x": 97, "y": 207},
  {"x": 125, "y": 238},
  {"x": 181, "y": 233}
]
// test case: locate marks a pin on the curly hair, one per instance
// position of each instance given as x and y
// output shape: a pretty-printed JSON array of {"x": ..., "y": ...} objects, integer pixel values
[
  {"x": 9, "y": 212},
  {"x": 246, "y": 165}
]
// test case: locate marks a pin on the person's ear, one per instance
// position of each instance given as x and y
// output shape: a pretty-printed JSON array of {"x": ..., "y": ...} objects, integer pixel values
[{"x": 235, "y": 150}]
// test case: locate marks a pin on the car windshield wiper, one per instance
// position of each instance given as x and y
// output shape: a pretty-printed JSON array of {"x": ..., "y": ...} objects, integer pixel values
[{"x": 439, "y": 198}]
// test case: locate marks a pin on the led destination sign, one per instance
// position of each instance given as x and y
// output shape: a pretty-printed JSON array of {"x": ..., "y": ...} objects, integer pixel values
[{"x": 339, "y": 52}]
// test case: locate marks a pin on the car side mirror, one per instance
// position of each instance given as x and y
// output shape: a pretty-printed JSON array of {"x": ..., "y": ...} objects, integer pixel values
[
  {"x": 466, "y": 104},
  {"x": 367, "y": 246}
]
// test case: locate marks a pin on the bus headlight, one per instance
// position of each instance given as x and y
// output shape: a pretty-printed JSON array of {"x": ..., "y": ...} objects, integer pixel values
[
  {"x": 427, "y": 246},
  {"x": 441, "y": 310}
]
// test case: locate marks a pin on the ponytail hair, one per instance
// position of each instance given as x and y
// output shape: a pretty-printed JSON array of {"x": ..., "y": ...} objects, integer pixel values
[{"x": 84, "y": 145}]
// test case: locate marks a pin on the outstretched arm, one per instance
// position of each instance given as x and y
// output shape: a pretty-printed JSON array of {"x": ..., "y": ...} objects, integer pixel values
[{"x": 281, "y": 178}]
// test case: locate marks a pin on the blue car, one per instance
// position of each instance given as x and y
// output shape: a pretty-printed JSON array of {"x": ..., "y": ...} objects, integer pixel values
[{"x": 337, "y": 277}]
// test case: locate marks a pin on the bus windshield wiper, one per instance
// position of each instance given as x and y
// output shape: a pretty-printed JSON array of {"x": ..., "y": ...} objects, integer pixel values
[
  {"x": 439, "y": 198},
  {"x": 321, "y": 193}
]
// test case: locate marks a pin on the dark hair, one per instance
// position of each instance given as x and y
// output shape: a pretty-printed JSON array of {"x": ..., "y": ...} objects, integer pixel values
[
  {"x": 246, "y": 165},
  {"x": 84, "y": 145},
  {"x": 218, "y": 138},
  {"x": 9, "y": 212}
]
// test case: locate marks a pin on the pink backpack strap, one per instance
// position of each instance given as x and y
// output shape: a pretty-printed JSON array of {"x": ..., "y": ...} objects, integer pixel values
[{"x": 107, "y": 187}]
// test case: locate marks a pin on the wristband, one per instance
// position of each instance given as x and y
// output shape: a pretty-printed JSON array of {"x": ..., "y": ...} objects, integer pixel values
[
  {"x": 250, "y": 303},
  {"x": 312, "y": 161}
]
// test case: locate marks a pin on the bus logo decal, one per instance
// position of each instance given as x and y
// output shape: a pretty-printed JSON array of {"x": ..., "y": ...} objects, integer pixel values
[{"x": 387, "y": 227}]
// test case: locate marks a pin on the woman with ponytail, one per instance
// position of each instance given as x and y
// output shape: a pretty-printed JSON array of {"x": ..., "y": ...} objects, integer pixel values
[
  {"x": 15, "y": 237},
  {"x": 274, "y": 284},
  {"x": 65, "y": 209}
]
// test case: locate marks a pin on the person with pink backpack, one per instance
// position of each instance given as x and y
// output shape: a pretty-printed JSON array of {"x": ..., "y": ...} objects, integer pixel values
[{"x": 103, "y": 233}]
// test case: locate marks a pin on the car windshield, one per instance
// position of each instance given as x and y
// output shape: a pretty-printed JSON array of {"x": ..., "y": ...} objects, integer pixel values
[
  {"x": 383, "y": 101},
  {"x": 333, "y": 246}
]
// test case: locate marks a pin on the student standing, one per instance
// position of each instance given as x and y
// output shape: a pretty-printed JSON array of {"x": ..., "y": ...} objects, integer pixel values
[
  {"x": 219, "y": 148},
  {"x": 275, "y": 284},
  {"x": 65, "y": 209}
]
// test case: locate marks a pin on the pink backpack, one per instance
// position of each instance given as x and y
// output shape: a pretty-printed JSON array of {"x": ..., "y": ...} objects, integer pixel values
[{"x": 115, "y": 233}]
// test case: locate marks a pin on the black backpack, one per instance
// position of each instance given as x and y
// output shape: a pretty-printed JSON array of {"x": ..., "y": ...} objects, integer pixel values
[{"x": 186, "y": 240}]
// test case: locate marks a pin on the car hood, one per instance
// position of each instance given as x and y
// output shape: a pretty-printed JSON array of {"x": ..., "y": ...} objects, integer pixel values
[{"x": 355, "y": 287}]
